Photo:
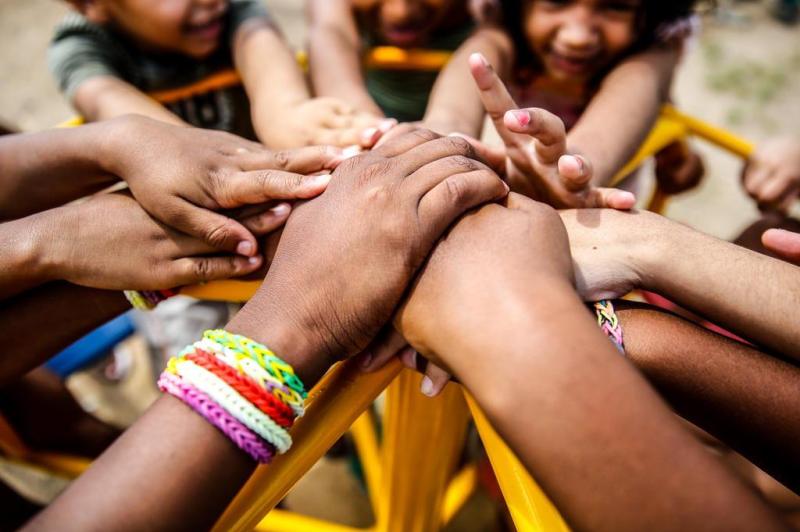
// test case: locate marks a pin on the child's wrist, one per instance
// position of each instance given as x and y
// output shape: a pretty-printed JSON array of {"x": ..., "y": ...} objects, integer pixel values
[{"x": 33, "y": 248}]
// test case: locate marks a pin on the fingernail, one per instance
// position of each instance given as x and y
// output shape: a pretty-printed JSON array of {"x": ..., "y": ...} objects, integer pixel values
[
  {"x": 281, "y": 209},
  {"x": 387, "y": 124},
  {"x": 505, "y": 185},
  {"x": 253, "y": 260},
  {"x": 523, "y": 117},
  {"x": 369, "y": 133},
  {"x": 351, "y": 151},
  {"x": 427, "y": 386},
  {"x": 366, "y": 361},
  {"x": 245, "y": 248},
  {"x": 482, "y": 59},
  {"x": 321, "y": 180}
]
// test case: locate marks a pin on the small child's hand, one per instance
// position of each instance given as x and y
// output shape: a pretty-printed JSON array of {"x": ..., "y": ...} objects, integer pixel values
[
  {"x": 783, "y": 243},
  {"x": 331, "y": 122},
  {"x": 110, "y": 242},
  {"x": 181, "y": 176},
  {"x": 538, "y": 163},
  {"x": 772, "y": 176},
  {"x": 678, "y": 168}
]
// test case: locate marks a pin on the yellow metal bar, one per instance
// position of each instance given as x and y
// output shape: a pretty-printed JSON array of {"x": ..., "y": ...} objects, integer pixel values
[
  {"x": 665, "y": 132},
  {"x": 282, "y": 521},
  {"x": 333, "y": 405},
  {"x": 393, "y": 58},
  {"x": 10, "y": 443},
  {"x": 422, "y": 442},
  {"x": 366, "y": 441},
  {"x": 63, "y": 464},
  {"x": 713, "y": 134},
  {"x": 530, "y": 508},
  {"x": 233, "y": 291},
  {"x": 459, "y": 491}
]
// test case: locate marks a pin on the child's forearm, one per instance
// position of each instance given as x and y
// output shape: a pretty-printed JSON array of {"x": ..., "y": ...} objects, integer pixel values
[
  {"x": 742, "y": 396},
  {"x": 271, "y": 76},
  {"x": 105, "y": 97},
  {"x": 335, "y": 55},
  {"x": 51, "y": 317},
  {"x": 455, "y": 105},
  {"x": 162, "y": 491},
  {"x": 49, "y": 168},
  {"x": 629, "y": 98},
  {"x": 588, "y": 421}
]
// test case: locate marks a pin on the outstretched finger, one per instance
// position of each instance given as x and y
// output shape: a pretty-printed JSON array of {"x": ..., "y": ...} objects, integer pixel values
[
  {"x": 608, "y": 198},
  {"x": 214, "y": 229},
  {"x": 260, "y": 186},
  {"x": 302, "y": 160},
  {"x": 783, "y": 243},
  {"x": 266, "y": 222},
  {"x": 547, "y": 130},
  {"x": 494, "y": 95},
  {"x": 193, "y": 270},
  {"x": 575, "y": 172}
]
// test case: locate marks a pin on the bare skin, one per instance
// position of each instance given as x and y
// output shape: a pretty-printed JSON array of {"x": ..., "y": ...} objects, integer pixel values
[
  {"x": 772, "y": 175},
  {"x": 418, "y": 185}
]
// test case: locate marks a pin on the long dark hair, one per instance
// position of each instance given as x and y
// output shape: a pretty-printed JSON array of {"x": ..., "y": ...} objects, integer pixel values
[{"x": 653, "y": 16}]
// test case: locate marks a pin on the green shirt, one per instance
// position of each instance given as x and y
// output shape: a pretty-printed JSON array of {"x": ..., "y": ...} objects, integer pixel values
[
  {"x": 404, "y": 94},
  {"x": 81, "y": 50}
]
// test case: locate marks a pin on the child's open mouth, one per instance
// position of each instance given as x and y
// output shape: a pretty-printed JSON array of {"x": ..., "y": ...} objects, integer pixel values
[
  {"x": 208, "y": 32},
  {"x": 409, "y": 35},
  {"x": 571, "y": 65}
]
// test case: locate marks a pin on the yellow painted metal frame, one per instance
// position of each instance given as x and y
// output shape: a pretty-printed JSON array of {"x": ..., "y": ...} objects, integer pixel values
[{"x": 411, "y": 475}]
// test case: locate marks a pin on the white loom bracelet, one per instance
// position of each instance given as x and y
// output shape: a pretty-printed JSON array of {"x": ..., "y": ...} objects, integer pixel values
[
  {"x": 251, "y": 368},
  {"x": 235, "y": 404}
]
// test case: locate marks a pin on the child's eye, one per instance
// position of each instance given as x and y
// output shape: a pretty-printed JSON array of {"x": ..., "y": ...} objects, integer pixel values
[
  {"x": 620, "y": 6},
  {"x": 553, "y": 4}
]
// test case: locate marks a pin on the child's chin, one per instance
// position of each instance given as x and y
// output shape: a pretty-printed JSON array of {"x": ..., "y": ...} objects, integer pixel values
[{"x": 201, "y": 52}]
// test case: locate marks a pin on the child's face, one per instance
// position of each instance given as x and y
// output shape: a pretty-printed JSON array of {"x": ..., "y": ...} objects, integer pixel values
[
  {"x": 577, "y": 39},
  {"x": 190, "y": 27},
  {"x": 407, "y": 23}
]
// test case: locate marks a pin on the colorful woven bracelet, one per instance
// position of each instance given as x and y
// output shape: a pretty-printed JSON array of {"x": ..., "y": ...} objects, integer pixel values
[
  {"x": 261, "y": 354},
  {"x": 243, "y": 437},
  {"x": 260, "y": 398},
  {"x": 147, "y": 299},
  {"x": 608, "y": 322},
  {"x": 230, "y": 400},
  {"x": 246, "y": 365}
]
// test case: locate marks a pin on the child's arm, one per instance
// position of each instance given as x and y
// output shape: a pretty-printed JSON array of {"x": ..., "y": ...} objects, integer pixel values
[
  {"x": 630, "y": 98},
  {"x": 335, "y": 54},
  {"x": 105, "y": 97},
  {"x": 284, "y": 115},
  {"x": 752, "y": 295},
  {"x": 455, "y": 104},
  {"x": 578, "y": 416},
  {"x": 65, "y": 311}
]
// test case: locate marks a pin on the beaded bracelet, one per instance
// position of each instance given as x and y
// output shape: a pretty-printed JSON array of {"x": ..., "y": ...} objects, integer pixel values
[
  {"x": 241, "y": 387},
  {"x": 608, "y": 322},
  {"x": 147, "y": 299}
]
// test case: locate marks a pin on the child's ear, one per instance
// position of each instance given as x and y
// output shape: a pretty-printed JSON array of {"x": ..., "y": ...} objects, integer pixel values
[{"x": 94, "y": 10}]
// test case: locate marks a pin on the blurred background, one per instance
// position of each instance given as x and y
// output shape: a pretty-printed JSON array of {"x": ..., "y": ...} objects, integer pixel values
[{"x": 742, "y": 72}]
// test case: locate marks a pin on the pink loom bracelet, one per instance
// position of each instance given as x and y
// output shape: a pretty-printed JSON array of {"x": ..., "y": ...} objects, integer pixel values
[{"x": 243, "y": 437}]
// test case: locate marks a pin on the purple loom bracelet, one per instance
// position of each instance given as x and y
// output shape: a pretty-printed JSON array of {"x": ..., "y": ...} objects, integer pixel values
[{"x": 242, "y": 436}]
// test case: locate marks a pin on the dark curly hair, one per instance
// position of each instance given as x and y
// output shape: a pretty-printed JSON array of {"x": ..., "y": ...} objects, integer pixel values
[{"x": 653, "y": 15}]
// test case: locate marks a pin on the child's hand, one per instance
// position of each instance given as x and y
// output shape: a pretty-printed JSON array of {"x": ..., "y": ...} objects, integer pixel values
[
  {"x": 538, "y": 163},
  {"x": 182, "y": 175},
  {"x": 678, "y": 168},
  {"x": 327, "y": 121},
  {"x": 783, "y": 243},
  {"x": 110, "y": 242},
  {"x": 772, "y": 176}
]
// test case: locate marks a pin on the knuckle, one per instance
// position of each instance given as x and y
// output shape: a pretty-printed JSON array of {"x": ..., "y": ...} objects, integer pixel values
[
  {"x": 282, "y": 159},
  {"x": 456, "y": 190},
  {"x": 464, "y": 163},
  {"x": 218, "y": 234},
  {"x": 462, "y": 146},
  {"x": 424, "y": 134},
  {"x": 202, "y": 270}
]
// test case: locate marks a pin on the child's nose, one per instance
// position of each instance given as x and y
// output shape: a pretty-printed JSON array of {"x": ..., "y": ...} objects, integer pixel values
[
  {"x": 578, "y": 35},
  {"x": 397, "y": 12}
]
